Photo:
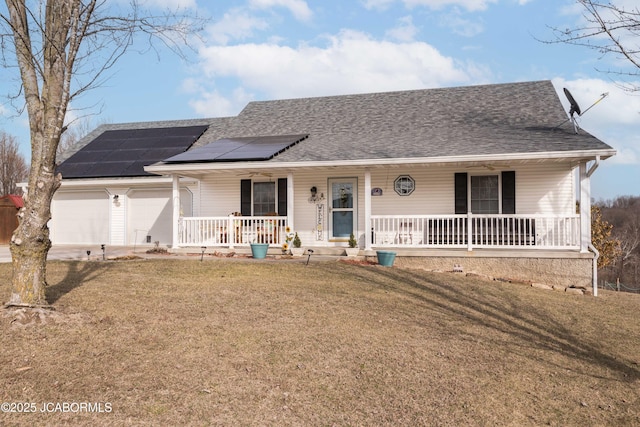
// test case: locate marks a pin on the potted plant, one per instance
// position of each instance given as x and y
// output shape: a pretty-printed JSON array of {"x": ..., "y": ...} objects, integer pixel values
[
  {"x": 353, "y": 249},
  {"x": 259, "y": 250},
  {"x": 297, "y": 250}
]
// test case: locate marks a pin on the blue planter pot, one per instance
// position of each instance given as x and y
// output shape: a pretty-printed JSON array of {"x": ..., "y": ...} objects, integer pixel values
[
  {"x": 386, "y": 258},
  {"x": 259, "y": 250}
]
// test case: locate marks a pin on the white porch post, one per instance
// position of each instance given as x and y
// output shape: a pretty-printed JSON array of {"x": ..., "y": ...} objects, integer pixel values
[
  {"x": 290, "y": 200},
  {"x": 585, "y": 208},
  {"x": 469, "y": 218},
  {"x": 175, "y": 197},
  {"x": 367, "y": 210}
]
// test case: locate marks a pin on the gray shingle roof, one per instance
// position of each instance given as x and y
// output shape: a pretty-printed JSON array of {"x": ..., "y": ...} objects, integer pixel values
[
  {"x": 473, "y": 120},
  {"x": 497, "y": 119}
]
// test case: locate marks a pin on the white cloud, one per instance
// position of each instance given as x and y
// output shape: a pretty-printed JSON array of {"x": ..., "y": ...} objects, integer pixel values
[
  {"x": 351, "y": 62},
  {"x": 298, "y": 8},
  {"x": 470, "y": 5},
  {"x": 236, "y": 24},
  {"x": 377, "y": 4},
  {"x": 615, "y": 119},
  {"x": 171, "y": 4},
  {"x": 405, "y": 31},
  {"x": 461, "y": 26},
  {"x": 211, "y": 103}
]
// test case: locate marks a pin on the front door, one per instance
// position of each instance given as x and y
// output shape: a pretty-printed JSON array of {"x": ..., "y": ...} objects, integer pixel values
[{"x": 342, "y": 207}]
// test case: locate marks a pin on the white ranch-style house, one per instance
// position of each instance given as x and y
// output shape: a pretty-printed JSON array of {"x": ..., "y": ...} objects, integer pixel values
[{"x": 482, "y": 177}]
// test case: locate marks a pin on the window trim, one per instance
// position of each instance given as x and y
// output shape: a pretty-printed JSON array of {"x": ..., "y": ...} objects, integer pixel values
[
  {"x": 470, "y": 192},
  {"x": 254, "y": 193},
  {"x": 507, "y": 189},
  {"x": 404, "y": 178},
  {"x": 247, "y": 194}
]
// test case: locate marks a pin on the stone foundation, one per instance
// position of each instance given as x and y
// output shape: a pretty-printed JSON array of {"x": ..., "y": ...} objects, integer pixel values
[{"x": 560, "y": 269}]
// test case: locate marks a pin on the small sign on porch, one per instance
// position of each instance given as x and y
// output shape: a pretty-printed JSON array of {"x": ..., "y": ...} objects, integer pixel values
[{"x": 320, "y": 222}]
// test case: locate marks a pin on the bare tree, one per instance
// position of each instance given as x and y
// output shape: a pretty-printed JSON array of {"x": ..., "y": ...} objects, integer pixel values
[
  {"x": 623, "y": 214},
  {"x": 610, "y": 30},
  {"x": 13, "y": 166},
  {"x": 75, "y": 132},
  {"x": 629, "y": 238},
  {"x": 62, "y": 48}
]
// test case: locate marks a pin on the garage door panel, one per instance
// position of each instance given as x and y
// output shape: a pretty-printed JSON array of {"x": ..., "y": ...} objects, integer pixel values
[{"x": 80, "y": 218}]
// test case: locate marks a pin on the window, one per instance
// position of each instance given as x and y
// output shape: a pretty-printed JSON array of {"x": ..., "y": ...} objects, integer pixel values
[
  {"x": 264, "y": 198},
  {"x": 404, "y": 185},
  {"x": 484, "y": 194},
  {"x": 488, "y": 194}
]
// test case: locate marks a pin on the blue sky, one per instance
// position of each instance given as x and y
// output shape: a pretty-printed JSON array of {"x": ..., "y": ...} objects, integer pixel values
[{"x": 273, "y": 49}]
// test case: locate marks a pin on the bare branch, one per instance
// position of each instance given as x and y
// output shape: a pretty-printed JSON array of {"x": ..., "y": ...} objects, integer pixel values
[
  {"x": 13, "y": 167},
  {"x": 609, "y": 30}
]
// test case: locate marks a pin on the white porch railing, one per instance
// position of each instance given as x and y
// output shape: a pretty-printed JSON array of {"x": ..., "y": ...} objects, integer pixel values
[
  {"x": 409, "y": 231},
  {"x": 230, "y": 231},
  {"x": 476, "y": 231}
]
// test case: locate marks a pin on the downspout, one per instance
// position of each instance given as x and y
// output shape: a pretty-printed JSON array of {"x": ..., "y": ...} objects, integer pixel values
[
  {"x": 594, "y": 275},
  {"x": 594, "y": 166}
]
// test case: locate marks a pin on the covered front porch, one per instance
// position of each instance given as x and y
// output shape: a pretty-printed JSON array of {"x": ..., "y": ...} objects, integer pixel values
[{"x": 389, "y": 222}]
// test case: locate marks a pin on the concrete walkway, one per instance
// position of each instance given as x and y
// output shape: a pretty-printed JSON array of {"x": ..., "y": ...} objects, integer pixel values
[{"x": 78, "y": 252}]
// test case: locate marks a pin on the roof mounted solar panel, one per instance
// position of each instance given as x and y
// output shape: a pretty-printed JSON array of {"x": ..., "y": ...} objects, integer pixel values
[
  {"x": 125, "y": 152},
  {"x": 254, "y": 148}
]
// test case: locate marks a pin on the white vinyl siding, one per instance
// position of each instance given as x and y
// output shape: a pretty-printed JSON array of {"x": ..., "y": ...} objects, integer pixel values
[
  {"x": 548, "y": 189},
  {"x": 118, "y": 218},
  {"x": 150, "y": 213}
]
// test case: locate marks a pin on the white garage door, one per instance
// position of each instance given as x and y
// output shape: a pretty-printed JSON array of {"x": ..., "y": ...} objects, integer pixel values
[
  {"x": 151, "y": 213},
  {"x": 80, "y": 217}
]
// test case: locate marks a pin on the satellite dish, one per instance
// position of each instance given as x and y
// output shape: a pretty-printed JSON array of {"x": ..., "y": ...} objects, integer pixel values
[{"x": 575, "y": 108}]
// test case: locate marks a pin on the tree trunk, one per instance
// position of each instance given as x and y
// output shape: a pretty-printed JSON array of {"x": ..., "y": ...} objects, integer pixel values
[
  {"x": 30, "y": 242},
  {"x": 46, "y": 107}
]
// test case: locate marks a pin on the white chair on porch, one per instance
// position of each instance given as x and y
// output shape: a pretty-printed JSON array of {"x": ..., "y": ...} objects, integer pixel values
[
  {"x": 409, "y": 234},
  {"x": 385, "y": 238}
]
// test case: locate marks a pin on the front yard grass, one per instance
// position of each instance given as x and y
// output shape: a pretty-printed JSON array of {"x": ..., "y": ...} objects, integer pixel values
[{"x": 220, "y": 342}]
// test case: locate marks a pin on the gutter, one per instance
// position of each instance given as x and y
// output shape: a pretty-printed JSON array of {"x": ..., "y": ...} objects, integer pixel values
[
  {"x": 164, "y": 168},
  {"x": 594, "y": 275}
]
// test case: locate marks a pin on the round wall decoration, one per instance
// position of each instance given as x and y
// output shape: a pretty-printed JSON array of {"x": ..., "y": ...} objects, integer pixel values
[{"x": 404, "y": 185}]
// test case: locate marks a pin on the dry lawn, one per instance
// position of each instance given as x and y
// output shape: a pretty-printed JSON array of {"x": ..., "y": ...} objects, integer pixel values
[{"x": 221, "y": 342}]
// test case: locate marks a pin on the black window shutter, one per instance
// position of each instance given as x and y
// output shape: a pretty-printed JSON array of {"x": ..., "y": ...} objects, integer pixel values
[
  {"x": 461, "y": 193},
  {"x": 282, "y": 196},
  {"x": 508, "y": 192},
  {"x": 245, "y": 197}
]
